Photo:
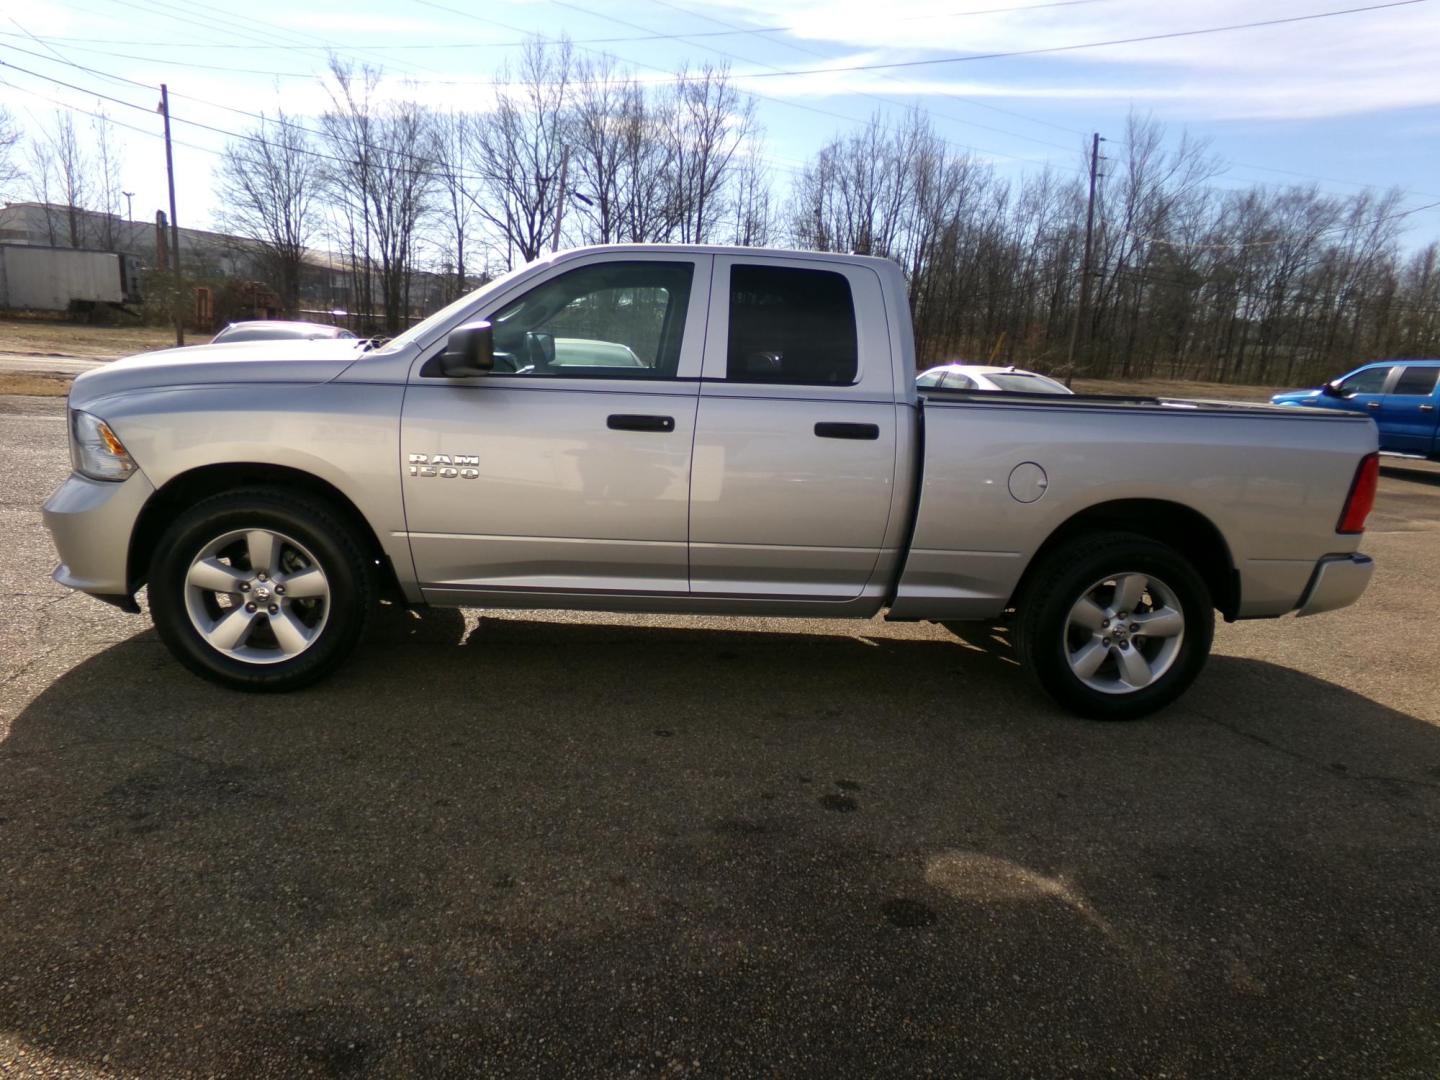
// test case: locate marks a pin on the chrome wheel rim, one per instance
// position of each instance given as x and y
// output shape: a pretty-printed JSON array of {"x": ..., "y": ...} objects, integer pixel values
[
  {"x": 257, "y": 596},
  {"x": 1124, "y": 633}
]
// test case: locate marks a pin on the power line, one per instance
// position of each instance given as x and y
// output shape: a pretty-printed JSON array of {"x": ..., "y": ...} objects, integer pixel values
[
  {"x": 873, "y": 97},
  {"x": 264, "y": 119},
  {"x": 681, "y": 79},
  {"x": 387, "y": 46},
  {"x": 268, "y": 43},
  {"x": 958, "y": 97},
  {"x": 1082, "y": 45}
]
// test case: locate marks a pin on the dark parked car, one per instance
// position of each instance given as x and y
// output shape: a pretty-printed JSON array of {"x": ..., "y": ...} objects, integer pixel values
[
  {"x": 274, "y": 329},
  {"x": 1401, "y": 395}
]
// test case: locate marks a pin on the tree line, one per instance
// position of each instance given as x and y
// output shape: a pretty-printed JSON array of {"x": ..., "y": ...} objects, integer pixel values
[
  {"x": 572, "y": 151},
  {"x": 1190, "y": 279}
]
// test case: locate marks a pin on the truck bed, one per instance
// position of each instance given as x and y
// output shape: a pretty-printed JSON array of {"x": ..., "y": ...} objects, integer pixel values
[{"x": 1002, "y": 472}]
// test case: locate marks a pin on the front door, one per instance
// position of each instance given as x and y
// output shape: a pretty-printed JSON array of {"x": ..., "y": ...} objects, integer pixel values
[
  {"x": 1360, "y": 391},
  {"x": 567, "y": 469}
]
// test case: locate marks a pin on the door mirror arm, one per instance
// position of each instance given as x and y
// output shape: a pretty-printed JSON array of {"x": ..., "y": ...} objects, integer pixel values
[{"x": 469, "y": 351}]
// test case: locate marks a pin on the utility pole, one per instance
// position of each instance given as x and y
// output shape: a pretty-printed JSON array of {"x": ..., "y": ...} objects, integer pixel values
[
  {"x": 1083, "y": 308},
  {"x": 129, "y": 205},
  {"x": 174, "y": 226},
  {"x": 560, "y": 206}
]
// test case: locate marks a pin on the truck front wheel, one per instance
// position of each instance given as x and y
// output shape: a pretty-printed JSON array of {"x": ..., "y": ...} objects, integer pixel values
[
  {"x": 260, "y": 590},
  {"x": 1115, "y": 626}
]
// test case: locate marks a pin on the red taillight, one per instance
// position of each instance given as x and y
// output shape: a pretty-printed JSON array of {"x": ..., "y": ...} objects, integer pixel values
[{"x": 1361, "y": 499}]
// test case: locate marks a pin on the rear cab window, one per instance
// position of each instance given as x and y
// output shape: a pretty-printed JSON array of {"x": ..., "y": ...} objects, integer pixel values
[
  {"x": 800, "y": 328},
  {"x": 791, "y": 325},
  {"x": 1417, "y": 381}
]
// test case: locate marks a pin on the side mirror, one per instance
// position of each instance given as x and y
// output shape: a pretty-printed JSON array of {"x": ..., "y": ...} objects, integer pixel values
[
  {"x": 1329, "y": 389},
  {"x": 469, "y": 351}
]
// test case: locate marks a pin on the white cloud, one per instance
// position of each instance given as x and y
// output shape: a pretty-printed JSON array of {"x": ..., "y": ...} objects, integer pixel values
[
  {"x": 353, "y": 22},
  {"x": 1326, "y": 67}
]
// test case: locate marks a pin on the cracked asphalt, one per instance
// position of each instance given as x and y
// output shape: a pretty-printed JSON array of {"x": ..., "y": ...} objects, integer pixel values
[{"x": 546, "y": 844}]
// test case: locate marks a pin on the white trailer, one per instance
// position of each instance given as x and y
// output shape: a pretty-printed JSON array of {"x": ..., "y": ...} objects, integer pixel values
[{"x": 55, "y": 279}]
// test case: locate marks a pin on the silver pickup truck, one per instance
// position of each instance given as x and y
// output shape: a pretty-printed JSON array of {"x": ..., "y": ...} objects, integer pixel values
[{"x": 692, "y": 429}]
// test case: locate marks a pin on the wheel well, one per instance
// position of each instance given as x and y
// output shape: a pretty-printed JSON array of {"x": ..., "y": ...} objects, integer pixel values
[
  {"x": 188, "y": 488},
  {"x": 1188, "y": 531}
]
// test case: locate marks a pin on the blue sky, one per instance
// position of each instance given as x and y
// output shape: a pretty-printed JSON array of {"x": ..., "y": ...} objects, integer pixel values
[{"x": 1341, "y": 102}]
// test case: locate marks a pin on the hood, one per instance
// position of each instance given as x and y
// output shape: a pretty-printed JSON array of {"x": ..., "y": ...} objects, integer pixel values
[
  {"x": 303, "y": 361},
  {"x": 1295, "y": 397}
]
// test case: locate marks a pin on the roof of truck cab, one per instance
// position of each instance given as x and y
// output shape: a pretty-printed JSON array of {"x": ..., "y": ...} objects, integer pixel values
[
  {"x": 1401, "y": 360},
  {"x": 716, "y": 249}
]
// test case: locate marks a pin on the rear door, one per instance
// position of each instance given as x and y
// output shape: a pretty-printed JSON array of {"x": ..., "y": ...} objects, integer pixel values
[
  {"x": 795, "y": 442},
  {"x": 1407, "y": 415}
]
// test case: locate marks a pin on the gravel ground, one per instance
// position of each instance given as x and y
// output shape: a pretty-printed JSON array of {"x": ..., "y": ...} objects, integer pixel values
[{"x": 544, "y": 844}]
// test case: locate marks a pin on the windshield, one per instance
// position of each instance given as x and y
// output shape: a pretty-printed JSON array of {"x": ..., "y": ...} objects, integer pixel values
[
  {"x": 1025, "y": 383},
  {"x": 427, "y": 328}
]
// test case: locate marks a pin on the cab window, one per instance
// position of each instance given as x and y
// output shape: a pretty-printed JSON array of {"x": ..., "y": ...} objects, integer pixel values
[
  {"x": 1365, "y": 381},
  {"x": 791, "y": 325},
  {"x": 1417, "y": 381},
  {"x": 615, "y": 320}
]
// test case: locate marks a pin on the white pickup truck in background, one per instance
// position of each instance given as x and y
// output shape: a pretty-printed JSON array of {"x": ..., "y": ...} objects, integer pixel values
[{"x": 693, "y": 429}]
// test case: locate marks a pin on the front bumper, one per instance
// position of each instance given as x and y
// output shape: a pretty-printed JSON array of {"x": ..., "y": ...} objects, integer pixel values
[
  {"x": 1337, "y": 582},
  {"x": 91, "y": 522}
]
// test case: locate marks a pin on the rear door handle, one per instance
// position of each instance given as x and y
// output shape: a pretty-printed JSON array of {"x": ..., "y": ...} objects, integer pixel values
[
  {"x": 637, "y": 422},
  {"x": 1427, "y": 408},
  {"x": 829, "y": 430}
]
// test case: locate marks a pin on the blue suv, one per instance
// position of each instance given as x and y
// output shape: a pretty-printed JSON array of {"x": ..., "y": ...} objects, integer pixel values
[{"x": 1401, "y": 395}]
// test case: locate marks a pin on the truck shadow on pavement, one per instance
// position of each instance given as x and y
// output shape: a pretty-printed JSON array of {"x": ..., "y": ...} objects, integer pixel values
[{"x": 614, "y": 849}]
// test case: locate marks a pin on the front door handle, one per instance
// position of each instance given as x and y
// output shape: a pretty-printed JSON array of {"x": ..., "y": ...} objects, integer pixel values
[
  {"x": 1427, "y": 408},
  {"x": 637, "y": 422},
  {"x": 1372, "y": 405},
  {"x": 828, "y": 430}
]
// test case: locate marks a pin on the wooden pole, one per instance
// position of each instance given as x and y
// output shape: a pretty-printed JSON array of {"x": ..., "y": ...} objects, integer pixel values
[
  {"x": 174, "y": 225},
  {"x": 1083, "y": 308}
]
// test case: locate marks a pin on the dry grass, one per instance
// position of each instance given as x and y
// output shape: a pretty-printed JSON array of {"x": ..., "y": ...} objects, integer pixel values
[
  {"x": 41, "y": 337},
  {"x": 35, "y": 385}
]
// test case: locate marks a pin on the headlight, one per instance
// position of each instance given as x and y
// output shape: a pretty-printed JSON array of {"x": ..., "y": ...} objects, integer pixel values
[{"x": 95, "y": 451}]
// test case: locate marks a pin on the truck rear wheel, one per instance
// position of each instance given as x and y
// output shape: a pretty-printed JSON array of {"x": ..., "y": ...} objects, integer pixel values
[
  {"x": 260, "y": 590},
  {"x": 1115, "y": 626}
]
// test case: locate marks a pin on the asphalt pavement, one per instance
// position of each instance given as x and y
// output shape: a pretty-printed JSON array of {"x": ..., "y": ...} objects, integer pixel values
[{"x": 550, "y": 844}]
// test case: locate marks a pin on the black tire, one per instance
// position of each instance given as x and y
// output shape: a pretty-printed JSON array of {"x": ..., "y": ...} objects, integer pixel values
[
  {"x": 319, "y": 534},
  {"x": 1047, "y": 635}
]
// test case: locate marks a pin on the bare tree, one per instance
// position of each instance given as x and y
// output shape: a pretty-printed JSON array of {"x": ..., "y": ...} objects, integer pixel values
[
  {"x": 10, "y": 167},
  {"x": 605, "y": 100},
  {"x": 402, "y": 182},
  {"x": 348, "y": 127},
  {"x": 60, "y": 172},
  {"x": 106, "y": 164},
  {"x": 521, "y": 150},
  {"x": 706, "y": 121},
  {"x": 267, "y": 187},
  {"x": 752, "y": 216},
  {"x": 451, "y": 139},
  {"x": 381, "y": 175},
  {"x": 40, "y": 180}
]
